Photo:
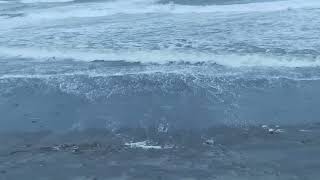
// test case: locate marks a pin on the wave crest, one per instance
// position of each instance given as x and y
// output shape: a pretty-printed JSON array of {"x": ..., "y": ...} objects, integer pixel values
[{"x": 164, "y": 56}]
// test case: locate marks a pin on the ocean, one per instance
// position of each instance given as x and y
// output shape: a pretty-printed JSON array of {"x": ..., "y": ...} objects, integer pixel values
[{"x": 164, "y": 75}]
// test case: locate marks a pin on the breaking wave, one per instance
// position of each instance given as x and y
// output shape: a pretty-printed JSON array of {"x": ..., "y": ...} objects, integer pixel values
[
  {"x": 163, "y": 57},
  {"x": 65, "y": 64},
  {"x": 178, "y": 101}
]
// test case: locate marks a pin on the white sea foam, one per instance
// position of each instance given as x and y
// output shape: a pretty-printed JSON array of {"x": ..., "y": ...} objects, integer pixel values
[{"x": 162, "y": 57}]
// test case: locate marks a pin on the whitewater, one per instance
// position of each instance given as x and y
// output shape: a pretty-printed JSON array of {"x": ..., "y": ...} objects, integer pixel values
[{"x": 228, "y": 62}]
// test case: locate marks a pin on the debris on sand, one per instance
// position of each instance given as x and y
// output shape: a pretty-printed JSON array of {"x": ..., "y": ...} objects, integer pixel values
[
  {"x": 146, "y": 145},
  {"x": 273, "y": 129},
  {"x": 143, "y": 145},
  {"x": 75, "y": 149},
  {"x": 279, "y": 131},
  {"x": 209, "y": 142}
]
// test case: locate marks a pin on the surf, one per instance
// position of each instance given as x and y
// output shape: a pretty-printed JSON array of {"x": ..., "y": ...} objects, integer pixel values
[{"x": 162, "y": 57}]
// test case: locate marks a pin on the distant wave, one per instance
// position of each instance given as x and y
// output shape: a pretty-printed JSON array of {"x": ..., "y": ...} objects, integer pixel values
[
  {"x": 164, "y": 56},
  {"x": 150, "y": 6},
  {"x": 45, "y": 1},
  {"x": 212, "y": 2},
  {"x": 147, "y": 6},
  {"x": 101, "y": 9}
]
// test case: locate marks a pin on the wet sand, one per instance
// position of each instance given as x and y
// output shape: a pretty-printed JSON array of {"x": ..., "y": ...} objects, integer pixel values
[{"x": 259, "y": 152}]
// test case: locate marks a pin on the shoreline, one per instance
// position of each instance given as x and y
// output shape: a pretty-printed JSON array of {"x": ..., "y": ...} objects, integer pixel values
[{"x": 215, "y": 153}]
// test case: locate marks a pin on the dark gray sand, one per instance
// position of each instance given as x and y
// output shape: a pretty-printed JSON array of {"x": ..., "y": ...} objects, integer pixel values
[{"x": 264, "y": 152}]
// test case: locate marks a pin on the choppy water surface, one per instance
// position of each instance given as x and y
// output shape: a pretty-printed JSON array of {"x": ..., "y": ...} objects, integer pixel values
[
  {"x": 137, "y": 63},
  {"x": 159, "y": 89}
]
